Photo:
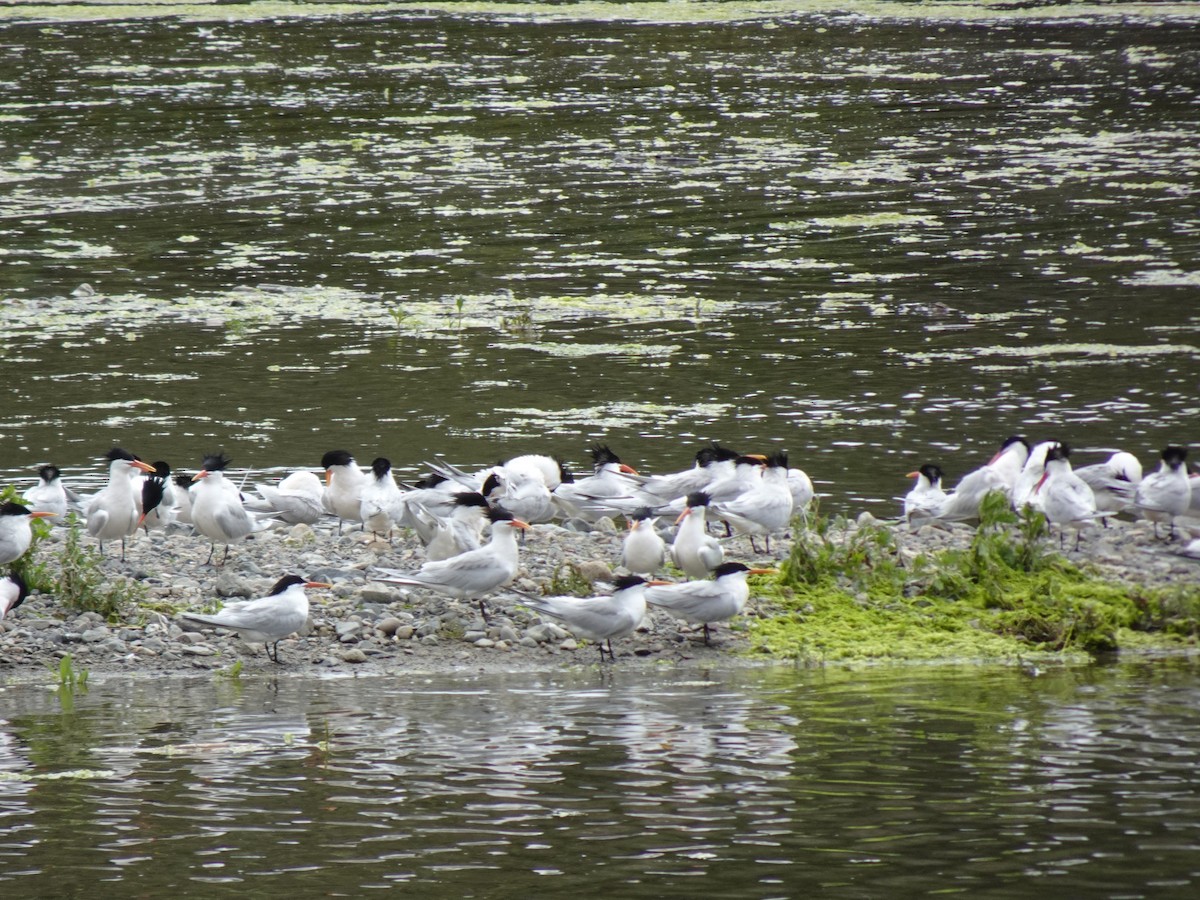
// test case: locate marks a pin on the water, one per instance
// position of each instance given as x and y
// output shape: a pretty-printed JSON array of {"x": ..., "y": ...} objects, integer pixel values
[
  {"x": 872, "y": 238},
  {"x": 754, "y": 783}
]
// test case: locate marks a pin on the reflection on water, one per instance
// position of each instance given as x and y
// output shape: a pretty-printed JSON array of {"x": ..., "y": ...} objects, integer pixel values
[
  {"x": 871, "y": 242},
  {"x": 755, "y": 783}
]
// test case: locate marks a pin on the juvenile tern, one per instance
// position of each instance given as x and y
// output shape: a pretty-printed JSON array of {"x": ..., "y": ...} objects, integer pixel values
[{"x": 269, "y": 619}]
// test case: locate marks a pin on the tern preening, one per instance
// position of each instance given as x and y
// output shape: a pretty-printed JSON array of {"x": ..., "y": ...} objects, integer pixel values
[
  {"x": 600, "y": 618},
  {"x": 475, "y": 574},
  {"x": 158, "y": 502},
  {"x": 16, "y": 532},
  {"x": 113, "y": 513},
  {"x": 297, "y": 499},
  {"x": 269, "y": 619},
  {"x": 999, "y": 474},
  {"x": 1113, "y": 482},
  {"x": 704, "y": 602},
  {"x": 217, "y": 510},
  {"x": 694, "y": 551}
]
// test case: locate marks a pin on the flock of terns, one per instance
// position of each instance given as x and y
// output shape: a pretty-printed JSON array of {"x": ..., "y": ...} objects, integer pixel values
[{"x": 453, "y": 510}]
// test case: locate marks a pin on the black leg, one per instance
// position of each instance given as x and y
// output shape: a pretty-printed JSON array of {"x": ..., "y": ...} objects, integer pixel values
[
  {"x": 483, "y": 612},
  {"x": 706, "y": 643},
  {"x": 211, "y": 549}
]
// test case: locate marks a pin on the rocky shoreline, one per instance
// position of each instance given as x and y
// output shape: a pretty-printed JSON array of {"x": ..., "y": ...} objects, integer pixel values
[{"x": 364, "y": 626}]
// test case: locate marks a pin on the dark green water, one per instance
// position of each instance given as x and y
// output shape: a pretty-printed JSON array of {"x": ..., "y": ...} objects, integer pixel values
[
  {"x": 875, "y": 242},
  {"x": 991, "y": 783}
]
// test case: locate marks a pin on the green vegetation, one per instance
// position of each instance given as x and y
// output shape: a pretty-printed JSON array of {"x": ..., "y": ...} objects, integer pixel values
[
  {"x": 846, "y": 594},
  {"x": 83, "y": 585},
  {"x": 30, "y": 566},
  {"x": 68, "y": 678}
]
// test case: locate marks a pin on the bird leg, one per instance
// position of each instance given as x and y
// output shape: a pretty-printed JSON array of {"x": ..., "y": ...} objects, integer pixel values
[
  {"x": 753, "y": 546},
  {"x": 212, "y": 548},
  {"x": 225, "y": 558},
  {"x": 706, "y": 643},
  {"x": 483, "y": 612}
]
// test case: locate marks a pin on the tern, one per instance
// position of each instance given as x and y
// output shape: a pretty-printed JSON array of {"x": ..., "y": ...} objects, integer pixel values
[
  {"x": 344, "y": 483},
  {"x": 183, "y": 498},
  {"x": 585, "y": 497},
  {"x": 296, "y": 500},
  {"x": 600, "y": 618},
  {"x": 766, "y": 507},
  {"x": 16, "y": 533},
  {"x": 269, "y": 619},
  {"x": 381, "y": 503},
  {"x": 1166, "y": 492},
  {"x": 49, "y": 494},
  {"x": 13, "y": 592},
  {"x": 521, "y": 489},
  {"x": 999, "y": 474},
  {"x": 711, "y": 464},
  {"x": 113, "y": 512},
  {"x": 1023, "y": 493},
  {"x": 643, "y": 551},
  {"x": 1066, "y": 498},
  {"x": 474, "y": 574},
  {"x": 704, "y": 602},
  {"x": 694, "y": 551},
  {"x": 158, "y": 505},
  {"x": 1114, "y": 482},
  {"x": 217, "y": 510},
  {"x": 461, "y": 531},
  {"x": 926, "y": 496}
]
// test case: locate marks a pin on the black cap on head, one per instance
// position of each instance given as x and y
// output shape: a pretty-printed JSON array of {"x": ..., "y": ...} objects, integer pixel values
[
  {"x": 778, "y": 459},
  {"x": 499, "y": 514},
  {"x": 471, "y": 498},
  {"x": 381, "y": 466},
  {"x": 1060, "y": 451},
  {"x": 49, "y": 472},
  {"x": 642, "y": 513},
  {"x": 933, "y": 472},
  {"x": 1014, "y": 439},
  {"x": 697, "y": 498},
  {"x": 183, "y": 480},
  {"x": 9, "y": 508},
  {"x": 621, "y": 582},
  {"x": 215, "y": 462},
  {"x": 1174, "y": 456},
  {"x": 284, "y": 583},
  {"x": 602, "y": 455},
  {"x": 429, "y": 481},
  {"x": 729, "y": 568},
  {"x": 337, "y": 458},
  {"x": 119, "y": 453},
  {"x": 490, "y": 484},
  {"x": 162, "y": 470}
]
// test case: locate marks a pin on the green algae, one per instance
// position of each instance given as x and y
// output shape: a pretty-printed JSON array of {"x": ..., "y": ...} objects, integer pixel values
[{"x": 846, "y": 595}]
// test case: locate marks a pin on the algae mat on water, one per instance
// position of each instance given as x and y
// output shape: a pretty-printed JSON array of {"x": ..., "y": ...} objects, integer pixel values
[{"x": 849, "y": 594}]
